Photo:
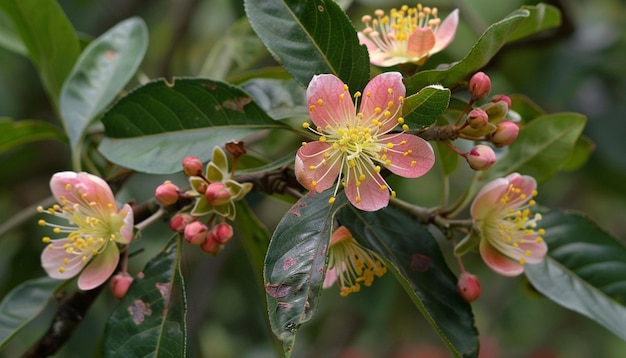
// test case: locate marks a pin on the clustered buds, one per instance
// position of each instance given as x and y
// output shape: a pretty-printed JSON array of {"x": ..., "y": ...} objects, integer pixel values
[{"x": 468, "y": 286}]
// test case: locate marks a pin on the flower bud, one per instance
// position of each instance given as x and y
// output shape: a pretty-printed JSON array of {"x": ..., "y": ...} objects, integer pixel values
[
  {"x": 481, "y": 157},
  {"x": 192, "y": 166},
  {"x": 167, "y": 193},
  {"x": 506, "y": 132},
  {"x": 179, "y": 221},
  {"x": 210, "y": 246},
  {"x": 217, "y": 194},
  {"x": 221, "y": 233},
  {"x": 196, "y": 233},
  {"x": 468, "y": 287},
  {"x": 119, "y": 284},
  {"x": 236, "y": 148},
  {"x": 477, "y": 118},
  {"x": 479, "y": 86},
  {"x": 502, "y": 97}
]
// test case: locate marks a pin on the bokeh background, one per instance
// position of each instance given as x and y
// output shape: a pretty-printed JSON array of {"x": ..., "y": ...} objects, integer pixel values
[{"x": 578, "y": 67}]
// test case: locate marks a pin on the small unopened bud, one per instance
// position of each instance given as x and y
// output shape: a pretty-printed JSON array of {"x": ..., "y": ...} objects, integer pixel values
[
  {"x": 502, "y": 97},
  {"x": 477, "y": 118},
  {"x": 479, "y": 86},
  {"x": 179, "y": 221},
  {"x": 210, "y": 246},
  {"x": 119, "y": 284},
  {"x": 481, "y": 157},
  {"x": 217, "y": 194},
  {"x": 192, "y": 166},
  {"x": 167, "y": 193},
  {"x": 196, "y": 233},
  {"x": 221, "y": 233},
  {"x": 506, "y": 132},
  {"x": 468, "y": 287}
]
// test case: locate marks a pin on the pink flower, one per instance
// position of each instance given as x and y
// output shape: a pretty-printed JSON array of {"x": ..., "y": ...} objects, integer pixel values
[
  {"x": 408, "y": 35},
  {"x": 355, "y": 146},
  {"x": 504, "y": 224},
  {"x": 95, "y": 227}
]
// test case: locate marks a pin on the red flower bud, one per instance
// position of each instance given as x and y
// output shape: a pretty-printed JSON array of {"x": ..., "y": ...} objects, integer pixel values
[
  {"x": 192, "y": 166},
  {"x": 506, "y": 132},
  {"x": 481, "y": 157},
  {"x": 468, "y": 287},
  {"x": 210, "y": 246},
  {"x": 119, "y": 284},
  {"x": 221, "y": 233},
  {"x": 217, "y": 194},
  {"x": 477, "y": 118},
  {"x": 479, "y": 86},
  {"x": 502, "y": 97},
  {"x": 196, "y": 233},
  {"x": 167, "y": 193},
  {"x": 179, "y": 221}
]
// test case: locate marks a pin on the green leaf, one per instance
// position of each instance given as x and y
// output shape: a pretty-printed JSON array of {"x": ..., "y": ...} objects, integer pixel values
[
  {"x": 16, "y": 133},
  {"x": 582, "y": 151},
  {"x": 9, "y": 39},
  {"x": 295, "y": 264},
  {"x": 310, "y": 37},
  {"x": 585, "y": 269},
  {"x": 447, "y": 158},
  {"x": 543, "y": 146},
  {"x": 151, "y": 319},
  {"x": 23, "y": 304},
  {"x": 152, "y": 128},
  {"x": 102, "y": 70},
  {"x": 48, "y": 35},
  {"x": 542, "y": 17},
  {"x": 424, "y": 108},
  {"x": 525, "y": 107},
  {"x": 489, "y": 43},
  {"x": 254, "y": 236},
  {"x": 412, "y": 254}
]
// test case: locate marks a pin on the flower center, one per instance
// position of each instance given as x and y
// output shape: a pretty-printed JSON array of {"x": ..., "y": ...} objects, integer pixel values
[{"x": 355, "y": 265}]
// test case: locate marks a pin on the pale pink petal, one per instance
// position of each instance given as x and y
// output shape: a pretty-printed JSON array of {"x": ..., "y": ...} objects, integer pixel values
[
  {"x": 382, "y": 90},
  {"x": 410, "y": 157},
  {"x": 488, "y": 198},
  {"x": 526, "y": 185},
  {"x": 537, "y": 250},
  {"x": 499, "y": 263},
  {"x": 330, "y": 278},
  {"x": 420, "y": 42},
  {"x": 100, "y": 268},
  {"x": 446, "y": 31},
  {"x": 81, "y": 188},
  {"x": 364, "y": 40},
  {"x": 312, "y": 155},
  {"x": 127, "y": 229},
  {"x": 53, "y": 259},
  {"x": 329, "y": 102},
  {"x": 372, "y": 193}
]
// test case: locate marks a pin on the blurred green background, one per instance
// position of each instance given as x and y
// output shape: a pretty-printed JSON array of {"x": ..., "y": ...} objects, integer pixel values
[{"x": 578, "y": 68}]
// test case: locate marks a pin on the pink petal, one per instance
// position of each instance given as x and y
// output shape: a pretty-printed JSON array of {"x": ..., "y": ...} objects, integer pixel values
[
  {"x": 127, "y": 229},
  {"x": 413, "y": 164},
  {"x": 420, "y": 42},
  {"x": 330, "y": 278},
  {"x": 83, "y": 188},
  {"x": 324, "y": 98},
  {"x": 312, "y": 154},
  {"x": 499, "y": 263},
  {"x": 446, "y": 31},
  {"x": 372, "y": 193},
  {"x": 378, "y": 93},
  {"x": 364, "y": 40},
  {"x": 527, "y": 186},
  {"x": 538, "y": 250},
  {"x": 52, "y": 260},
  {"x": 100, "y": 268},
  {"x": 488, "y": 198}
]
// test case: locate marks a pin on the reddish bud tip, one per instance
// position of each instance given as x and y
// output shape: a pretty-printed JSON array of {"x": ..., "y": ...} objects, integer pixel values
[
  {"x": 502, "y": 97},
  {"x": 217, "y": 194},
  {"x": 192, "y": 166},
  {"x": 179, "y": 221},
  {"x": 221, "y": 233},
  {"x": 479, "y": 86},
  {"x": 477, "y": 118},
  {"x": 481, "y": 157},
  {"x": 210, "y": 246},
  {"x": 506, "y": 133},
  {"x": 196, "y": 233},
  {"x": 167, "y": 193},
  {"x": 119, "y": 284},
  {"x": 468, "y": 287}
]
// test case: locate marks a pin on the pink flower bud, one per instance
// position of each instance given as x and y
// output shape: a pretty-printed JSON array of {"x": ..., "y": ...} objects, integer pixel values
[
  {"x": 468, "y": 287},
  {"x": 506, "y": 133},
  {"x": 119, "y": 284},
  {"x": 217, "y": 194},
  {"x": 481, "y": 157},
  {"x": 192, "y": 166},
  {"x": 477, "y": 118},
  {"x": 210, "y": 246},
  {"x": 502, "y": 97},
  {"x": 221, "y": 233},
  {"x": 479, "y": 86},
  {"x": 167, "y": 193},
  {"x": 196, "y": 233},
  {"x": 179, "y": 221}
]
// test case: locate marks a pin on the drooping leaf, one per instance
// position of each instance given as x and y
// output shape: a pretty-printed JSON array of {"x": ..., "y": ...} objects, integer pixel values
[
  {"x": 516, "y": 24},
  {"x": 310, "y": 37},
  {"x": 580, "y": 154},
  {"x": 423, "y": 108},
  {"x": 525, "y": 107},
  {"x": 254, "y": 236},
  {"x": 9, "y": 38},
  {"x": 542, "y": 147},
  {"x": 413, "y": 256},
  {"x": 152, "y": 128},
  {"x": 15, "y": 133},
  {"x": 542, "y": 17},
  {"x": 151, "y": 319},
  {"x": 48, "y": 35},
  {"x": 295, "y": 262},
  {"x": 23, "y": 304},
  {"x": 585, "y": 269},
  {"x": 101, "y": 72}
]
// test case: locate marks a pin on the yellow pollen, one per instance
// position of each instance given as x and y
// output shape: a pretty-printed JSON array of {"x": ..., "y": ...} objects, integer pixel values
[
  {"x": 320, "y": 102},
  {"x": 390, "y": 104},
  {"x": 313, "y": 182},
  {"x": 358, "y": 199},
  {"x": 306, "y": 125},
  {"x": 41, "y": 222},
  {"x": 527, "y": 253},
  {"x": 413, "y": 163},
  {"x": 342, "y": 95},
  {"x": 389, "y": 145},
  {"x": 56, "y": 230},
  {"x": 40, "y": 209},
  {"x": 68, "y": 186},
  {"x": 522, "y": 261},
  {"x": 62, "y": 269},
  {"x": 393, "y": 193},
  {"x": 405, "y": 127},
  {"x": 389, "y": 90},
  {"x": 400, "y": 120},
  {"x": 331, "y": 200},
  {"x": 345, "y": 87},
  {"x": 362, "y": 177},
  {"x": 357, "y": 94},
  {"x": 312, "y": 167},
  {"x": 46, "y": 240},
  {"x": 322, "y": 139},
  {"x": 311, "y": 108},
  {"x": 541, "y": 232}
]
